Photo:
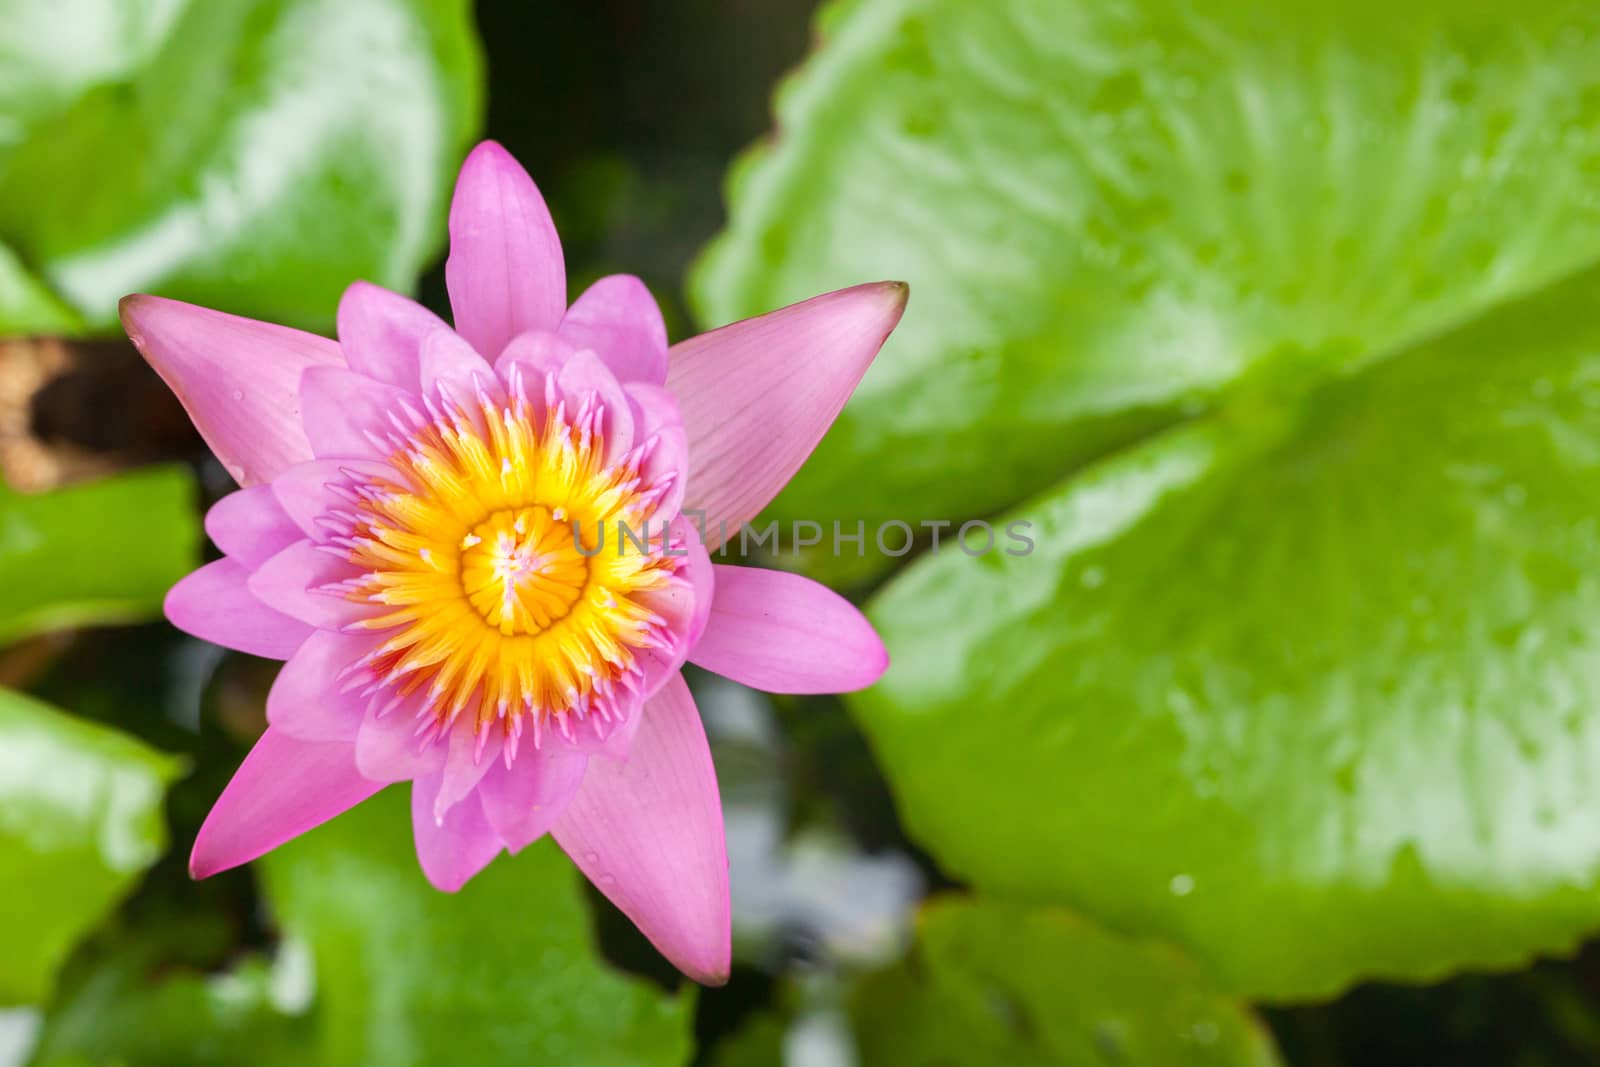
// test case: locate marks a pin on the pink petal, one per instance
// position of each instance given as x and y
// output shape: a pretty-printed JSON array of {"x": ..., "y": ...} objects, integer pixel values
[
  {"x": 215, "y": 604},
  {"x": 522, "y": 802},
  {"x": 615, "y": 745},
  {"x": 250, "y": 525},
  {"x": 381, "y": 333},
  {"x": 456, "y": 847},
  {"x": 618, "y": 319},
  {"x": 343, "y": 410},
  {"x": 583, "y": 741},
  {"x": 292, "y": 582},
  {"x": 655, "y": 415},
  {"x": 389, "y": 750},
  {"x": 648, "y": 833},
  {"x": 758, "y": 395},
  {"x": 536, "y": 350},
  {"x": 584, "y": 376},
  {"x": 308, "y": 701},
  {"x": 284, "y": 788},
  {"x": 783, "y": 633},
  {"x": 447, "y": 359},
  {"x": 505, "y": 272},
  {"x": 467, "y": 759},
  {"x": 686, "y": 603},
  {"x": 302, "y": 490},
  {"x": 238, "y": 379}
]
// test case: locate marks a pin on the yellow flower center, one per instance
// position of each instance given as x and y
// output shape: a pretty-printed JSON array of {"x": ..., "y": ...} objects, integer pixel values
[
  {"x": 522, "y": 571},
  {"x": 483, "y": 557}
]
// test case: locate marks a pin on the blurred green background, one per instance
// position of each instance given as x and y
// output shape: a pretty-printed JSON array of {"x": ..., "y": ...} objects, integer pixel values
[{"x": 1276, "y": 322}]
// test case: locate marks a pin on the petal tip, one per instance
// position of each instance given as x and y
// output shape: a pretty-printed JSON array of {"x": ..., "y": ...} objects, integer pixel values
[
  {"x": 132, "y": 311},
  {"x": 359, "y": 289},
  {"x": 209, "y": 856},
  {"x": 893, "y": 294},
  {"x": 489, "y": 148},
  {"x": 712, "y": 978},
  {"x": 177, "y": 605},
  {"x": 505, "y": 271},
  {"x": 129, "y": 305},
  {"x": 877, "y": 667},
  {"x": 452, "y": 877},
  {"x": 897, "y": 295},
  {"x": 711, "y": 961},
  {"x": 491, "y": 157},
  {"x": 445, "y": 885},
  {"x": 485, "y": 170},
  {"x": 201, "y": 868},
  {"x": 138, "y": 308},
  {"x": 169, "y": 601}
]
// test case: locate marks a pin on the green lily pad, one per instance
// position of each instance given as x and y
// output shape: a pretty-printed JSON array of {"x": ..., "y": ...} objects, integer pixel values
[
  {"x": 1112, "y": 216},
  {"x": 991, "y": 983},
  {"x": 506, "y": 971},
  {"x": 129, "y": 1012},
  {"x": 1276, "y": 321},
  {"x": 80, "y": 820},
  {"x": 1308, "y": 686},
  {"x": 101, "y": 552},
  {"x": 26, "y": 305},
  {"x": 255, "y": 156}
]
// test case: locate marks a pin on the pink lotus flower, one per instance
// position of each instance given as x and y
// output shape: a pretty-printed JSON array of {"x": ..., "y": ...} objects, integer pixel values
[{"x": 418, "y": 539}]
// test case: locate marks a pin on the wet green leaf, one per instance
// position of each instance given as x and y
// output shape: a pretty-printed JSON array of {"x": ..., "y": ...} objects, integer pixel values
[
  {"x": 129, "y": 1014},
  {"x": 1308, "y": 686},
  {"x": 506, "y": 971},
  {"x": 1113, "y": 216},
  {"x": 101, "y": 552},
  {"x": 26, "y": 305},
  {"x": 989, "y": 982},
  {"x": 1281, "y": 317},
  {"x": 255, "y": 156},
  {"x": 80, "y": 819}
]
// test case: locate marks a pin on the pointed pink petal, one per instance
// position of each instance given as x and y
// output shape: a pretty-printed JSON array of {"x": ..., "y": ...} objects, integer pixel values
[
  {"x": 381, "y": 333},
  {"x": 308, "y": 702},
  {"x": 758, "y": 395},
  {"x": 215, "y": 604},
  {"x": 292, "y": 582},
  {"x": 536, "y": 350},
  {"x": 388, "y": 749},
  {"x": 302, "y": 490},
  {"x": 505, "y": 272},
  {"x": 648, "y": 833},
  {"x": 655, "y": 415},
  {"x": 453, "y": 369},
  {"x": 465, "y": 763},
  {"x": 783, "y": 633},
  {"x": 284, "y": 788},
  {"x": 522, "y": 802},
  {"x": 617, "y": 318},
  {"x": 615, "y": 745},
  {"x": 238, "y": 379},
  {"x": 686, "y": 603},
  {"x": 583, "y": 376},
  {"x": 344, "y": 409},
  {"x": 447, "y": 358},
  {"x": 251, "y": 526},
  {"x": 456, "y": 847}
]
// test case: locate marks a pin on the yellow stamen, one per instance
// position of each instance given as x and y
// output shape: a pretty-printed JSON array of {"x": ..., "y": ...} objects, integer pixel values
[{"x": 484, "y": 552}]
